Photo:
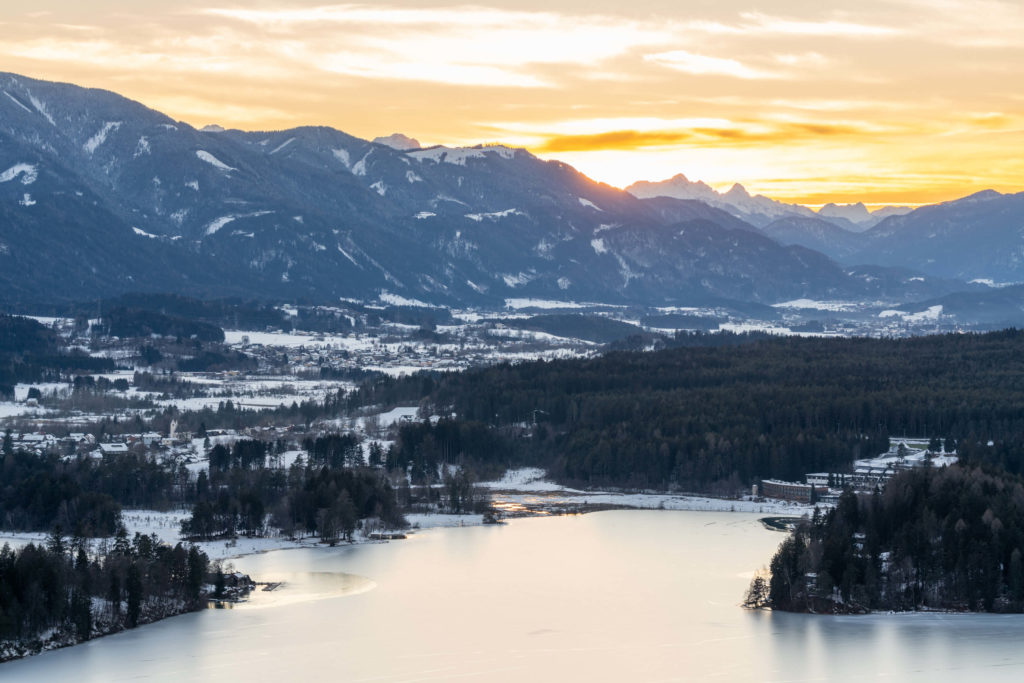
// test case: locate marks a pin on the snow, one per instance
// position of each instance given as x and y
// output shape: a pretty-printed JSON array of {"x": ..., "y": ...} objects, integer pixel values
[
  {"x": 28, "y": 173},
  {"x": 100, "y": 137},
  {"x": 41, "y": 108},
  {"x": 412, "y": 177},
  {"x": 396, "y": 300},
  {"x": 282, "y": 145},
  {"x": 142, "y": 147},
  {"x": 143, "y": 233},
  {"x": 590, "y": 204},
  {"x": 424, "y": 214},
  {"x": 348, "y": 256},
  {"x": 17, "y": 102},
  {"x": 360, "y": 166},
  {"x": 817, "y": 305},
  {"x": 516, "y": 304},
  {"x": 494, "y": 215},
  {"x": 194, "y": 184},
  {"x": 218, "y": 223},
  {"x": 214, "y": 161},
  {"x": 459, "y": 155},
  {"x": 342, "y": 156},
  {"x": 598, "y": 245},
  {"x": 380, "y": 188},
  {"x": 526, "y": 479},
  {"x": 26, "y": 200},
  {"x": 932, "y": 313},
  {"x": 398, "y": 141},
  {"x": 517, "y": 280}
]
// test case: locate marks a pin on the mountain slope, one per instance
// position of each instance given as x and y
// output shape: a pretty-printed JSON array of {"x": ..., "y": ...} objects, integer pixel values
[
  {"x": 121, "y": 198},
  {"x": 977, "y": 237}
]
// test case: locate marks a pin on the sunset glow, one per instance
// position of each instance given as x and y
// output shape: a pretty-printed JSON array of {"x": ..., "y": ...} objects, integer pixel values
[{"x": 895, "y": 101}]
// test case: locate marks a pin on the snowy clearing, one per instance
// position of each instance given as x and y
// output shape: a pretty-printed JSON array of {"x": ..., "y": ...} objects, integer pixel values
[{"x": 214, "y": 161}]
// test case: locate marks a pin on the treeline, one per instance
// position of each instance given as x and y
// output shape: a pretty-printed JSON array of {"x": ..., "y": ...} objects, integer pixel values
[
  {"x": 719, "y": 417},
  {"x": 81, "y": 495},
  {"x": 139, "y": 322},
  {"x": 71, "y": 594},
  {"x": 31, "y": 352},
  {"x": 326, "y": 496},
  {"x": 423, "y": 449},
  {"x": 938, "y": 539}
]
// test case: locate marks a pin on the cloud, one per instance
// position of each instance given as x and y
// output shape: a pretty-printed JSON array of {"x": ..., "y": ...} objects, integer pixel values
[
  {"x": 704, "y": 65},
  {"x": 753, "y": 133},
  {"x": 457, "y": 45},
  {"x": 763, "y": 23}
]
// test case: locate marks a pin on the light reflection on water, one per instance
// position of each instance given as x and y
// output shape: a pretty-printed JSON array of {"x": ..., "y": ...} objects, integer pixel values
[{"x": 612, "y": 596}]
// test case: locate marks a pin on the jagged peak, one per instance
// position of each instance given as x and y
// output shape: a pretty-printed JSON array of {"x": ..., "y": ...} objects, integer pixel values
[{"x": 402, "y": 143}]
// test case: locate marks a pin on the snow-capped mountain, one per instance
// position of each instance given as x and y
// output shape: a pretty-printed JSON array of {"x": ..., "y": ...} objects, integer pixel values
[
  {"x": 100, "y": 195},
  {"x": 399, "y": 142},
  {"x": 757, "y": 210}
]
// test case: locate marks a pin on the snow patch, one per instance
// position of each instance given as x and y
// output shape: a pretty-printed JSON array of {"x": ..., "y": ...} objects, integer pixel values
[
  {"x": 17, "y": 101},
  {"x": 598, "y": 245},
  {"x": 214, "y": 161},
  {"x": 282, "y": 145},
  {"x": 517, "y": 280},
  {"x": 424, "y": 214},
  {"x": 219, "y": 223},
  {"x": 41, "y": 108},
  {"x": 589, "y": 204},
  {"x": 342, "y": 156},
  {"x": 396, "y": 300},
  {"x": 380, "y": 188},
  {"x": 494, "y": 215},
  {"x": 459, "y": 155},
  {"x": 516, "y": 304},
  {"x": 349, "y": 257},
  {"x": 360, "y": 166},
  {"x": 26, "y": 200},
  {"x": 412, "y": 177},
  {"x": 142, "y": 147},
  {"x": 930, "y": 314},
  {"x": 28, "y": 173},
  {"x": 143, "y": 233},
  {"x": 564, "y": 283},
  {"x": 95, "y": 141},
  {"x": 817, "y": 305}
]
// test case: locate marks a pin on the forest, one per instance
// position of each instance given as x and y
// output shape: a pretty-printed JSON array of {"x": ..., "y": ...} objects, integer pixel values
[
  {"x": 717, "y": 413},
  {"x": 949, "y": 539}
]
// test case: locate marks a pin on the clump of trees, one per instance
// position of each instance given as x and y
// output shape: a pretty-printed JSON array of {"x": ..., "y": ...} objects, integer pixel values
[
  {"x": 73, "y": 592},
  {"x": 950, "y": 538},
  {"x": 327, "y": 495}
]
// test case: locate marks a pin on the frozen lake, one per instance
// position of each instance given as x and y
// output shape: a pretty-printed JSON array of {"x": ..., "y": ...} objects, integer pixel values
[{"x": 611, "y": 596}]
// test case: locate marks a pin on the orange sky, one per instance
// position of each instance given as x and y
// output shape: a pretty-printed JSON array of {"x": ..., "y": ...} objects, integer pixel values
[{"x": 899, "y": 101}]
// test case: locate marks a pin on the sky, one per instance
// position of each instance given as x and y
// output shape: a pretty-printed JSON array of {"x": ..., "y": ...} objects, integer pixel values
[{"x": 881, "y": 101}]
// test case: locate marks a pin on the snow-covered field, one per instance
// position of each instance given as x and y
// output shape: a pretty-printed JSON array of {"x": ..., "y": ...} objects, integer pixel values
[{"x": 528, "y": 486}]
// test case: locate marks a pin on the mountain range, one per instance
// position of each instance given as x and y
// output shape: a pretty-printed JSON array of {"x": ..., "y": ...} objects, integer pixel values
[{"x": 100, "y": 195}]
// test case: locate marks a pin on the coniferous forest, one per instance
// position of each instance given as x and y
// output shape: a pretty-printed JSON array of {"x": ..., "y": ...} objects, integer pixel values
[
  {"x": 717, "y": 418},
  {"x": 947, "y": 539}
]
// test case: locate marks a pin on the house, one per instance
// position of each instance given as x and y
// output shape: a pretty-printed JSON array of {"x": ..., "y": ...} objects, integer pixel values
[{"x": 113, "y": 449}]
